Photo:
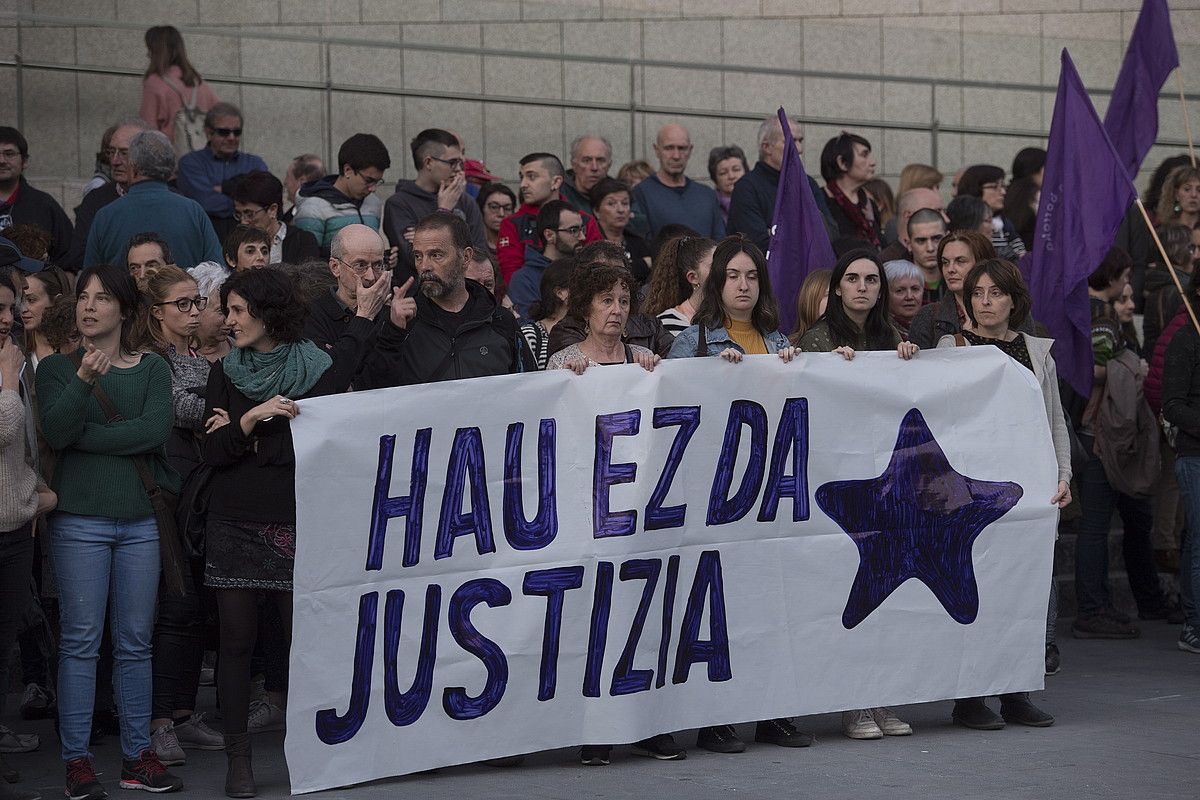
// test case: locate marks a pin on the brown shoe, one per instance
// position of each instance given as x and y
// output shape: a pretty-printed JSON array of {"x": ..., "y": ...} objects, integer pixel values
[{"x": 239, "y": 778}]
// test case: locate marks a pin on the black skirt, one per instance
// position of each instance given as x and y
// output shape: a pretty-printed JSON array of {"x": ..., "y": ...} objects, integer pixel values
[{"x": 249, "y": 555}]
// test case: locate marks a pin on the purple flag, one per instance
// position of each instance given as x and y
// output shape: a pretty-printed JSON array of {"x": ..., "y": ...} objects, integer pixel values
[
  {"x": 799, "y": 241},
  {"x": 1085, "y": 193},
  {"x": 1132, "y": 118}
]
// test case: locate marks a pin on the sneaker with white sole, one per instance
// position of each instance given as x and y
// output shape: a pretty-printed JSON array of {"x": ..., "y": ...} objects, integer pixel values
[
  {"x": 889, "y": 723},
  {"x": 859, "y": 724},
  {"x": 166, "y": 746},
  {"x": 1189, "y": 642},
  {"x": 193, "y": 733},
  {"x": 12, "y": 742},
  {"x": 265, "y": 716},
  {"x": 208, "y": 671}
]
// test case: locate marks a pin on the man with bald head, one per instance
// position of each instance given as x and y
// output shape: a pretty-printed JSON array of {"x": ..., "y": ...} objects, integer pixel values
[
  {"x": 122, "y": 172},
  {"x": 669, "y": 197},
  {"x": 908, "y": 204},
  {"x": 591, "y": 158},
  {"x": 347, "y": 320},
  {"x": 752, "y": 206}
]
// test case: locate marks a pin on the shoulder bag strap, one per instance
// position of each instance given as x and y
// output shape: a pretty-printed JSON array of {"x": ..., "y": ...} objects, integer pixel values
[
  {"x": 701, "y": 341},
  {"x": 960, "y": 340}
]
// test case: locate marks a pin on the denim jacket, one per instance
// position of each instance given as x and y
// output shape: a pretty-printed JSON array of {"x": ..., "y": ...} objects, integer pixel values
[{"x": 718, "y": 339}]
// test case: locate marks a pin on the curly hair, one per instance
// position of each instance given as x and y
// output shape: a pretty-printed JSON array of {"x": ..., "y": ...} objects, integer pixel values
[
  {"x": 591, "y": 279},
  {"x": 273, "y": 297},
  {"x": 668, "y": 285},
  {"x": 1166, "y": 200},
  {"x": 32, "y": 240},
  {"x": 58, "y": 324}
]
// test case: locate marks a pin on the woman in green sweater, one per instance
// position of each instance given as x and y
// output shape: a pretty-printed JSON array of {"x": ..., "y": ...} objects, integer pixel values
[{"x": 104, "y": 538}]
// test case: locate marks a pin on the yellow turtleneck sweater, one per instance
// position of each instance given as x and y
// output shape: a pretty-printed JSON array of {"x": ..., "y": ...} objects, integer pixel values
[{"x": 744, "y": 334}]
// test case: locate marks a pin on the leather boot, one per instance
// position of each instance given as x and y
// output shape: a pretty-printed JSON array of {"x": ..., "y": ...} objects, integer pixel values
[{"x": 239, "y": 778}]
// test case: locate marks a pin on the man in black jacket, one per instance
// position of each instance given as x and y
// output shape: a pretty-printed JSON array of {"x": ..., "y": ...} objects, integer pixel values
[
  {"x": 98, "y": 198},
  {"x": 453, "y": 328},
  {"x": 21, "y": 204},
  {"x": 752, "y": 205}
]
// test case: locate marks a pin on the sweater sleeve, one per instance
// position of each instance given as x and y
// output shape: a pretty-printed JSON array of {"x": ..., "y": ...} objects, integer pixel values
[
  {"x": 62, "y": 401},
  {"x": 143, "y": 433},
  {"x": 509, "y": 249},
  {"x": 12, "y": 416},
  {"x": 227, "y": 444},
  {"x": 196, "y": 182},
  {"x": 348, "y": 352}
]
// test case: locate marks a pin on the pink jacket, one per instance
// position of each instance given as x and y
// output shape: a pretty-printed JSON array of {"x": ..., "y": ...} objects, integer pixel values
[{"x": 161, "y": 100}]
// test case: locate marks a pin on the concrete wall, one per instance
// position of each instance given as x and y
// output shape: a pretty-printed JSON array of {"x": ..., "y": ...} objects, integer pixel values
[{"x": 1013, "y": 41}]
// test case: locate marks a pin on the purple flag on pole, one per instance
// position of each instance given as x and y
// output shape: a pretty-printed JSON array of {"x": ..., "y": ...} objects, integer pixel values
[
  {"x": 799, "y": 241},
  {"x": 1132, "y": 118},
  {"x": 1085, "y": 193}
]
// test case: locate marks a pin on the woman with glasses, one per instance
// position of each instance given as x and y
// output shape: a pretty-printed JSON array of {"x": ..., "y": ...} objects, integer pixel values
[
  {"x": 496, "y": 201},
  {"x": 986, "y": 181},
  {"x": 168, "y": 325},
  {"x": 258, "y": 202},
  {"x": 611, "y": 202}
]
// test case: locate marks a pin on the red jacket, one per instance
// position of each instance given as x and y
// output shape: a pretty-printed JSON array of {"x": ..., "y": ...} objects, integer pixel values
[
  {"x": 1152, "y": 386},
  {"x": 519, "y": 230}
]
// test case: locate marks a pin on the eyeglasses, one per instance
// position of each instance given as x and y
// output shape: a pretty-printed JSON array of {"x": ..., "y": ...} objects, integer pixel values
[
  {"x": 10, "y": 155},
  {"x": 360, "y": 267},
  {"x": 235, "y": 132},
  {"x": 368, "y": 180},
  {"x": 574, "y": 230},
  {"x": 246, "y": 214},
  {"x": 112, "y": 151},
  {"x": 503, "y": 208},
  {"x": 999, "y": 186},
  {"x": 1192, "y": 248},
  {"x": 185, "y": 304},
  {"x": 452, "y": 163}
]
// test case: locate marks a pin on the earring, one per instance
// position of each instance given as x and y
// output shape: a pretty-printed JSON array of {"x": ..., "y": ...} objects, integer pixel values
[{"x": 1177, "y": 208}]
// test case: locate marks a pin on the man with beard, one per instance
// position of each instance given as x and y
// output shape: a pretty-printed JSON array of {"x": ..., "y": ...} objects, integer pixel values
[
  {"x": 560, "y": 228},
  {"x": 453, "y": 328},
  {"x": 21, "y": 204}
]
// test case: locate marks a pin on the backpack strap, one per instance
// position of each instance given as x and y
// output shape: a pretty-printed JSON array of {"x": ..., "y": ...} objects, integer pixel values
[
  {"x": 628, "y": 354},
  {"x": 701, "y": 341},
  {"x": 960, "y": 340}
]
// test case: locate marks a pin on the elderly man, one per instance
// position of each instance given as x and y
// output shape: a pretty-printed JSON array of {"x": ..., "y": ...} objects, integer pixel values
[
  {"x": 752, "y": 206},
  {"x": 354, "y": 310},
  {"x": 669, "y": 197},
  {"x": 149, "y": 205},
  {"x": 591, "y": 158},
  {"x": 205, "y": 175},
  {"x": 98, "y": 198}
]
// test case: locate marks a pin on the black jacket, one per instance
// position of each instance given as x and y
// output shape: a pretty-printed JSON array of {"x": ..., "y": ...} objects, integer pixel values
[
  {"x": 35, "y": 207},
  {"x": 85, "y": 212},
  {"x": 326, "y": 326},
  {"x": 408, "y": 206},
  {"x": 300, "y": 246},
  {"x": 640, "y": 329},
  {"x": 752, "y": 205},
  {"x": 483, "y": 339},
  {"x": 1181, "y": 389},
  {"x": 1162, "y": 301},
  {"x": 939, "y": 319}
]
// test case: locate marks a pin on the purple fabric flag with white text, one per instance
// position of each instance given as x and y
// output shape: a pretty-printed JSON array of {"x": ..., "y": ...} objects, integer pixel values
[
  {"x": 1132, "y": 117},
  {"x": 799, "y": 241},
  {"x": 1085, "y": 193}
]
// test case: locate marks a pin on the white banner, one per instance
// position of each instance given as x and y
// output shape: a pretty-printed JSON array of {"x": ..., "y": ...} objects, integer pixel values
[{"x": 514, "y": 564}]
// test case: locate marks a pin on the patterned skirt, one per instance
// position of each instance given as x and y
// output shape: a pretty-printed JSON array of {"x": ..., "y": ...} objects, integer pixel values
[{"x": 249, "y": 555}]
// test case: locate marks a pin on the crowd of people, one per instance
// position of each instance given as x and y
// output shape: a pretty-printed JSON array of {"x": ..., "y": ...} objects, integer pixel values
[{"x": 161, "y": 343}]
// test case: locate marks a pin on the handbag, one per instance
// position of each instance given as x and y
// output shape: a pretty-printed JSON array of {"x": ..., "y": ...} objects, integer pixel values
[
  {"x": 163, "y": 502},
  {"x": 192, "y": 513}
]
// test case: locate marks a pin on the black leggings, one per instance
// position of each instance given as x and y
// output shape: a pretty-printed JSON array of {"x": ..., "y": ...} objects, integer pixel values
[
  {"x": 238, "y": 609},
  {"x": 179, "y": 645}
]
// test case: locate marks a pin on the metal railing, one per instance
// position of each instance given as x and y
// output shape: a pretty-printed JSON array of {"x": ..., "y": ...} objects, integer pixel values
[{"x": 632, "y": 64}]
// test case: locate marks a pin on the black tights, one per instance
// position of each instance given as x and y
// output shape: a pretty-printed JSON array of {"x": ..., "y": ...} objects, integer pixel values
[{"x": 238, "y": 609}]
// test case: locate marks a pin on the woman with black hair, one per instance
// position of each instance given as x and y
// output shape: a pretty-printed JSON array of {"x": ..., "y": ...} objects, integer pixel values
[
  {"x": 968, "y": 213},
  {"x": 611, "y": 201},
  {"x": 846, "y": 165},
  {"x": 986, "y": 181},
  {"x": 549, "y": 308},
  {"x": 251, "y": 529},
  {"x": 104, "y": 537}
]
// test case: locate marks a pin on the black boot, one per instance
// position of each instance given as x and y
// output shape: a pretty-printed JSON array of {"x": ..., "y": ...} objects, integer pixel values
[
  {"x": 1016, "y": 708},
  {"x": 973, "y": 712},
  {"x": 239, "y": 778}
]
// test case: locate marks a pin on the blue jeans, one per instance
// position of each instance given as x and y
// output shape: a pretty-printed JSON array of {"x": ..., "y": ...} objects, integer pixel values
[
  {"x": 1187, "y": 473},
  {"x": 105, "y": 564}
]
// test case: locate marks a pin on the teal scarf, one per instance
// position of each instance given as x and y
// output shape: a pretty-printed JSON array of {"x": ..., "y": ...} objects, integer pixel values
[{"x": 289, "y": 370}]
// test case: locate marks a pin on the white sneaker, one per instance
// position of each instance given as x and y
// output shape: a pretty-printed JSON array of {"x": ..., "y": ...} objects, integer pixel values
[
  {"x": 859, "y": 724},
  {"x": 889, "y": 723},
  {"x": 265, "y": 716},
  {"x": 195, "y": 734},
  {"x": 166, "y": 746}
]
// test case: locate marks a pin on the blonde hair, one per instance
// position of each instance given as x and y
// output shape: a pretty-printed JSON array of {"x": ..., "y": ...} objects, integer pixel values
[
  {"x": 634, "y": 172},
  {"x": 808, "y": 301},
  {"x": 147, "y": 331},
  {"x": 919, "y": 176},
  {"x": 1166, "y": 201}
]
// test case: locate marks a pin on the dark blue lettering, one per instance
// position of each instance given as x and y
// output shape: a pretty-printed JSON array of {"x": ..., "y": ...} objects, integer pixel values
[
  {"x": 721, "y": 508},
  {"x": 553, "y": 584},
  {"x": 668, "y": 614},
  {"x": 626, "y": 679},
  {"x": 791, "y": 437},
  {"x": 688, "y": 420},
  {"x": 532, "y": 534},
  {"x": 607, "y": 474},
  {"x": 455, "y": 700},
  {"x": 335, "y": 729},
  {"x": 715, "y": 651},
  {"x": 405, "y": 708},
  {"x": 598, "y": 631},
  {"x": 410, "y": 506},
  {"x": 466, "y": 462}
]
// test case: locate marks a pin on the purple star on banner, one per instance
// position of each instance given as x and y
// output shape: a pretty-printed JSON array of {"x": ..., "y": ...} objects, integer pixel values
[{"x": 919, "y": 520}]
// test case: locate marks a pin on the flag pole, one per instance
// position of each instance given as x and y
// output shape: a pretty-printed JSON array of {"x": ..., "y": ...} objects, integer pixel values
[
  {"x": 1162, "y": 251},
  {"x": 1187, "y": 123}
]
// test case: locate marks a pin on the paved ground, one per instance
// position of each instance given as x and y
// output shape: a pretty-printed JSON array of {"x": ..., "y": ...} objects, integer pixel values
[{"x": 1128, "y": 726}]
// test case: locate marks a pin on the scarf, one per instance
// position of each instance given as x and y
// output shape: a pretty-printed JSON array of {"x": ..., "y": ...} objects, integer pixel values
[
  {"x": 289, "y": 370},
  {"x": 863, "y": 228}
]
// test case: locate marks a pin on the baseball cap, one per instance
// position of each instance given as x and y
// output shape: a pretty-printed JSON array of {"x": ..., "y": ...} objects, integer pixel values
[
  {"x": 477, "y": 171},
  {"x": 10, "y": 256}
]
